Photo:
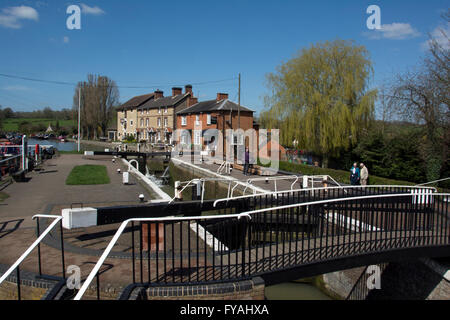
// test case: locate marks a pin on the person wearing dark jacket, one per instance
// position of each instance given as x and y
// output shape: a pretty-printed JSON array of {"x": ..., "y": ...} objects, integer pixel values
[
  {"x": 354, "y": 175},
  {"x": 247, "y": 161}
]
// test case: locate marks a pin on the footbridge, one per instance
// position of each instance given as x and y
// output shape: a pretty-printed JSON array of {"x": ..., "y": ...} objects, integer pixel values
[{"x": 278, "y": 236}]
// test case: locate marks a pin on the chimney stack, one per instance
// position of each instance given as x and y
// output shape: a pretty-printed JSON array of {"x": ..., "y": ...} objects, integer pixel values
[
  {"x": 188, "y": 88},
  {"x": 159, "y": 94},
  {"x": 176, "y": 91},
  {"x": 192, "y": 101},
  {"x": 222, "y": 96}
]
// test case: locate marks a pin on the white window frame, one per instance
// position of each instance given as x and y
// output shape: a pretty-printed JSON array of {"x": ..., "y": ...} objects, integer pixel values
[
  {"x": 197, "y": 119},
  {"x": 146, "y": 122},
  {"x": 159, "y": 122},
  {"x": 166, "y": 122},
  {"x": 208, "y": 119},
  {"x": 183, "y": 120}
]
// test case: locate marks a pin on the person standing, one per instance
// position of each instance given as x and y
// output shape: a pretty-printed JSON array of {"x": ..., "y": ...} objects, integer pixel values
[
  {"x": 364, "y": 174},
  {"x": 354, "y": 175},
  {"x": 247, "y": 161}
]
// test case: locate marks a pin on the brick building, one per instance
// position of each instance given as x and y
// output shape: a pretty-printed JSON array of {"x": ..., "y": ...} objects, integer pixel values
[
  {"x": 152, "y": 117},
  {"x": 127, "y": 116},
  {"x": 157, "y": 117},
  {"x": 220, "y": 114}
]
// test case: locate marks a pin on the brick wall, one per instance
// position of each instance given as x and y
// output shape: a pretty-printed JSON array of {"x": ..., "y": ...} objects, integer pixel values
[{"x": 240, "y": 290}]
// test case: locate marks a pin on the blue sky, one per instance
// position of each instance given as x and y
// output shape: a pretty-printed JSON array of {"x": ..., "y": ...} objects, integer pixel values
[{"x": 159, "y": 44}]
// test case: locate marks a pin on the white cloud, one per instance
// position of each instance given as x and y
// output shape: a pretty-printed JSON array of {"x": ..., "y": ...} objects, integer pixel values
[
  {"x": 12, "y": 16},
  {"x": 16, "y": 88},
  {"x": 394, "y": 31},
  {"x": 441, "y": 35},
  {"x": 66, "y": 39},
  {"x": 91, "y": 10}
]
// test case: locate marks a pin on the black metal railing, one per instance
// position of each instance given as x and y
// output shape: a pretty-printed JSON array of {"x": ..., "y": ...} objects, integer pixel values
[
  {"x": 281, "y": 233},
  {"x": 361, "y": 288}
]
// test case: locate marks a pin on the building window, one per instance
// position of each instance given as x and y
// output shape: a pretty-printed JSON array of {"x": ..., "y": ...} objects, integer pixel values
[
  {"x": 159, "y": 110},
  {"x": 183, "y": 121},
  {"x": 159, "y": 122},
  {"x": 146, "y": 122},
  {"x": 142, "y": 122},
  {"x": 159, "y": 135},
  {"x": 197, "y": 120},
  {"x": 208, "y": 119},
  {"x": 131, "y": 122},
  {"x": 165, "y": 122},
  {"x": 147, "y": 111},
  {"x": 165, "y": 110}
]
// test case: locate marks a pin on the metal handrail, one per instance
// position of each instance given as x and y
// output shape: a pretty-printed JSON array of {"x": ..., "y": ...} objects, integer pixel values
[
  {"x": 296, "y": 205},
  {"x": 10, "y": 158},
  {"x": 34, "y": 245},
  {"x": 321, "y": 188},
  {"x": 273, "y": 178},
  {"x": 119, "y": 232},
  {"x": 187, "y": 185},
  {"x": 422, "y": 184}
]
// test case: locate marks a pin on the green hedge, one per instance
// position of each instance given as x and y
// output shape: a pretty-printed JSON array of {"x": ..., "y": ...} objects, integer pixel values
[{"x": 341, "y": 176}]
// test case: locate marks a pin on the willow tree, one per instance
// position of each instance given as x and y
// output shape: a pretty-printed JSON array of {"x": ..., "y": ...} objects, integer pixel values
[{"x": 321, "y": 99}]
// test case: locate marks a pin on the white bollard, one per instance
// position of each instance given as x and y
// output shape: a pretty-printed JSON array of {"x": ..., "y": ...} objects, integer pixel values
[
  {"x": 305, "y": 182},
  {"x": 125, "y": 178},
  {"x": 178, "y": 194}
]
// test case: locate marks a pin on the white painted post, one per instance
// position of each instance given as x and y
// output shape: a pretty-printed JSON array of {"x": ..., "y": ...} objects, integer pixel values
[
  {"x": 305, "y": 182},
  {"x": 24, "y": 152},
  {"x": 125, "y": 178},
  {"x": 178, "y": 194}
]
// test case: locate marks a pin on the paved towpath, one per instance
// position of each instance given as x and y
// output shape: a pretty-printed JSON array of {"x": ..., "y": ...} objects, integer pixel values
[{"x": 47, "y": 189}]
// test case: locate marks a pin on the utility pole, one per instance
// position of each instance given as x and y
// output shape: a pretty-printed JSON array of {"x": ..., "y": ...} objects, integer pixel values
[
  {"x": 79, "y": 116},
  {"x": 239, "y": 103}
]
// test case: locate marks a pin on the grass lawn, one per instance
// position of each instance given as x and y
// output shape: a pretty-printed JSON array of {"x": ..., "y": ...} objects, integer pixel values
[
  {"x": 88, "y": 174},
  {"x": 12, "y": 124}
]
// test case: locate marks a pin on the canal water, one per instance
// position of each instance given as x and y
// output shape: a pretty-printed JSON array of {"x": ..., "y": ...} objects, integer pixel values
[
  {"x": 295, "y": 291},
  {"x": 66, "y": 146}
]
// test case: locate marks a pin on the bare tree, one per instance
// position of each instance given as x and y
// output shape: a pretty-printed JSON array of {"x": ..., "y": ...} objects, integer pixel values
[
  {"x": 422, "y": 96},
  {"x": 99, "y": 94}
]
